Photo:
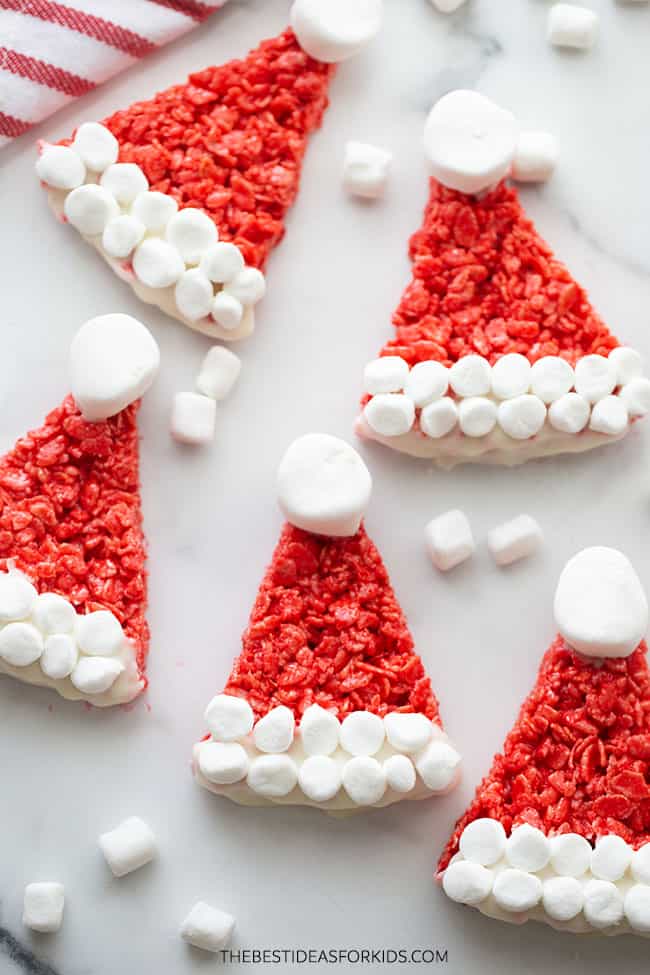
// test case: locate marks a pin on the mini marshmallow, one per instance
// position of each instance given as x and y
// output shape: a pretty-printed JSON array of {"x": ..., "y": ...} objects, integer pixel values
[
  {"x": 469, "y": 141},
  {"x": 551, "y": 377},
  {"x": 154, "y": 209},
  {"x": 227, "y": 311},
  {"x": 527, "y": 848},
  {"x": 60, "y": 656},
  {"x": 467, "y": 883},
  {"x": 89, "y": 208},
  {"x": 121, "y": 235},
  {"x": 515, "y": 890},
  {"x": 335, "y": 30},
  {"x": 603, "y": 906},
  {"x": 513, "y": 540},
  {"x": 218, "y": 373},
  {"x": 207, "y": 928},
  {"x": 362, "y": 733},
  {"x": 113, "y": 362},
  {"x": 609, "y": 416},
  {"x": 437, "y": 765},
  {"x": 365, "y": 169},
  {"x": 21, "y": 644},
  {"x": 569, "y": 414},
  {"x": 157, "y": 264},
  {"x": 222, "y": 262},
  {"x": 572, "y": 26},
  {"x": 248, "y": 286},
  {"x": 274, "y": 732},
  {"x": 610, "y": 858},
  {"x": 319, "y": 778},
  {"x": 635, "y": 396},
  {"x": 562, "y": 898},
  {"x": 323, "y": 485},
  {"x": 483, "y": 841},
  {"x": 95, "y": 675},
  {"x": 193, "y": 419},
  {"x": 600, "y": 607},
  {"x": 96, "y": 146},
  {"x": 640, "y": 865},
  {"x": 272, "y": 776},
  {"x": 125, "y": 181},
  {"x": 99, "y": 634},
  {"x": 426, "y": 382},
  {"x": 595, "y": 377},
  {"x": 52, "y": 613},
  {"x": 223, "y": 762},
  {"x": 388, "y": 374},
  {"x": 627, "y": 363},
  {"x": 60, "y": 167},
  {"x": 522, "y": 417},
  {"x": 194, "y": 294},
  {"x": 319, "y": 731},
  {"x": 400, "y": 774},
  {"x": 364, "y": 780},
  {"x": 229, "y": 718},
  {"x": 390, "y": 414},
  {"x": 43, "y": 907},
  {"x": 511, "y": 376},
  {"x": 477, "y": 416},
  {"x": 129, "y": 846},
  {"x": 447, "y": 6},
  {"x": 570, "y": 854},
  {"x": 535, "y": 157},
  {"x": 637, "y": 908},
  {"x": 471, "y": 376},
  {"x": 18, "y": 597},
  {"x": 408, "y": 733},
  {"x": 191, "y": 232},
  {"x": 449, "y": 539},
  {"x": 439, "y": 418}
]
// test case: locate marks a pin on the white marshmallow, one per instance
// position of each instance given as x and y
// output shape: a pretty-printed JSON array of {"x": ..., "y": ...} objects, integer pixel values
[
  {"x": 572, "y": 26},
  {"x": 364, "y": 780},
  {"x": 272, "y": 776},
  {"x": 94, "y": 675},
  {"x": 408, "y": 732},
  {"x": 191, "y": 232},
  {"x": 319, "y": 731},
  {"x": 96, "y": 146},
  {"x": 121, "y": 235},
  {"x": 603, "y": 906},
  {"x": 362, "y": 733},
  {"x": 18, "y": 597},
  {"x": 194, "y": 294},
  {"x": 113, "y": 362},
  {"x": 43, "y": 906},
  {"x": 52, "y": 613},
  {"x": 637, "y": 908},
  {"x": 129, "y": 846},
  {"x": 248, "y": 286},
  {"x": 390, "y": 414},
  {"x": 562, "y": 898},
  {"x": 522, "y": 417},
  {"x": 600, "y": 607},
  {"x": 595, "y": 377},
  {"x": 335, "y": 30},
  {"x": 627, "y": 363},
  {"x": 99, "y": 634},
  {"x": 157, "y": 264},
  {"x": 527, "y": 848},
  {"x": 218, "y": 373},
  {"x": 449, "y": 539},
  {"x": 477, "y": 416},
  {"x": 439, "y": 418},
  {"x": 569, "y": 414},
  {"x": 511, "y": 376},
  {"x": 515, "y": 890},
  {"x": 483, "y": 841},
  {"x": 635, "y": 396},
  {"x": 388, "y": 374},
  {"x": 60, "y": 656},
  {"x": 323, "y": 485},
  {"x": 125, "y": 181},
  {"x": 89, "y": 208},
  {"x": 551, "y": 377},
  {"x": 469, "y": 141},
  {"x": 570, "y": 854},
  {"x": 21, "y": 644},
  {"x": 222, "y": 262},
  {"x": 437, "y": 765},
  {"x": 640, "y": 865},
  {"x": 609, "y": 416},
  {"x": 610, "y": 858},
  {"x": 514, "y": 540},
  {"x": 535, "y": 158},
  {"x": 426, "y": 382},
  {"x": 319, "y": 778},
  {"x": 274, "y": 732},
  {"x": 223, "y": 762},
  {"x": 447, "y": 6},
  {"x": 471, "y": 376},
  {"x": 365, "y": 169},
  {"x": 154, "y": 209},
  {"x": 193, "y": 419},
  {"x": 227, "y": 311},
  {"x": 207, "y": 928},
  {"x": 229, "y": 718},
  {"x": 400, "y": 774},
  {"x": 61, "y": 167},
  {"x": 467, "y": 883}
]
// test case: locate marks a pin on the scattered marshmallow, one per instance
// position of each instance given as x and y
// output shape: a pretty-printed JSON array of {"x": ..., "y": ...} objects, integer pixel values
[
  {"x": 408, "y": 733},
  {"x": 600, "y": 607},
  {"x": 272, "y": 776},
  {"x": 274, "y": 732},
  {"x": 99, "y": 634},
  {"x": 319, "y": 731},
  {"x": 550, "y": 378},
  {"x": 96, "y": 146},
  {"x": 627, "y": 363},
  {"x": 43, "y": 907},
  {"x": 113, "y": 362},
  {"x": 154, "y": 209},
  {"x": 222, "y": 262},
  {"x": 21, "y": 644},
  {"x": 562, "y": 898},
  {"x": 595, "y": 377},
  {"x": 483, "y": 841},
  {"x": 60, "y": 656},
  {"x": 129, "y": 846},
  {"x": 89, "y": 208},
  {"x": 51, "y": 613},
  {"x": 17, "y": 597},
  {"x": 467, "y": 883},
  {"x": 388, "y": 374},
  {"x": 335, "y": 30},
  {"x": 121, "y": 235},
  {"x": 511, "y": 376},
  {"x": 323, "y": 485},
  {"x": 362, "y": 733},
  {"x": 535, "y": 158},
  {"x": 610, "y": 858},
  {"x": 400, "y": 774},
  {"x": 247, "y": 286},
  {"x": 572, "y": 26},
  {"x": 527, "y": 848},
  {"x": 95, "y": 675},
  {"x": 390, "y": 414},
  {"x": 609, "y": 416},
  {"x": 227, "y": 311},
  {"x": 522, "y": 417},
  {"x": 515, "y": 890},
  {"x": 635, "y": 396},
  {"x": 218, "y": 373},
  {"x": 223, "y": 762},
  {"x": 637, "y": 908},
  {"x": 364, "y": 780},
  {"x": 229, "y": 718},
  {"x": 319, "y": 778},
  {"x": 191, "y": 232},
  {"x": 156, "y": 263},
  {"x": 194, "y": 294},
  {"x": 207, "y": 928},
  {"x": 427, "y": 382},
  {"x": 365, "y": 169},
  {"x": 569, "y": 414},
  {"x": 60, "y": 167},
  {"x": 603, "y": 903},
  {"x": 570, "y": 854},
  {"x": 125, "y": 181},
  {"x": 193, "y": 419},
  {"x": 449, "y": 539},
  {"x": 439, "y": 418},
  {"x": 514, "y": 539},
  {"x": 471, "y": 376},
  {"x": 477, "y": 416},
  {"x": 438, "y": 765}
]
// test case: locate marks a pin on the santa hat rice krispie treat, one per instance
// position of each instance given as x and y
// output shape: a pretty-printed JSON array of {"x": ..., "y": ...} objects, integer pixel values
[
  {"x": 73, "y": 587},
  {"x": 185, "y": 195},
  {"x": 559, "y": 830},
  {"x": 328, "y": 704},
  {"x": 498, "y": 355}
]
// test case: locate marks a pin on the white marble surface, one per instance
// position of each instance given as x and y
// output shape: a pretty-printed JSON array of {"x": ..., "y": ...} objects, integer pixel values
[{"x": 291, "y": 876}]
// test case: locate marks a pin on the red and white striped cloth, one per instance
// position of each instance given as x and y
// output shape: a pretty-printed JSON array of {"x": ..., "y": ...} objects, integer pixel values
[{"x": 50, "y": 53}]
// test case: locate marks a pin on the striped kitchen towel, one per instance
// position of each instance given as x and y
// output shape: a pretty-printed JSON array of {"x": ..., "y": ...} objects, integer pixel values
[{"x": 53, "y": 52}]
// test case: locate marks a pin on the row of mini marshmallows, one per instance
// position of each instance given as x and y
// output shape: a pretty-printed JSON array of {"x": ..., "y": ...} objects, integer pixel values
[
  {"x": 194, "y": 414},
  {"x": 604, "y": 392},
  {"x": 450, "y": 541}
]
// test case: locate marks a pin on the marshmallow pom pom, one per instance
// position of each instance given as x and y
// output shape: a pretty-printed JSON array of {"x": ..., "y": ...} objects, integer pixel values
[
  {"x": 121, "y": 235},
  {"x": 96, "y": 146},
  {"x": 223, "y": 762},
  {"x": 17, "y": 597},
  {"x": 570, "y": 854},
  {"x": 365, "y": 170},
  {"x": 193, "y": 419},
  {"x": 595, "y": 377},
  {"x": 113, "y": 362},
  {"x": 514, "y": 540},
  {"x": 124, "y": 181},
  {"x": 550, "y": 378},
  {"x": 609, "y": 416},
  {"x": 515, "y": 890},
  {"x": 222, "y": 262},
  {"x": 51, "y": 613},
  {"x": 603, "y": 904},
  {"x": 535, "y": 157},
  {"x": 400, "y": 774},
  {"x": 408, "y": 733},
  {"x": 600, "y": 607},
  {"x": 207, "y": 928},
  {"x": 427, "y": 382},
  {"x": 364, "y": 780},
  {"x": 388, "y": 374},
  {"x": 569, "y": 414},
  {"x": 469, "y": 141},
  {"x": 439, "y": 418},
  {"x": 272, "y": 776},
  {"x": 157, "y": 264},
  {"x": 522, "y": 417},
  {"x": 274, "y": 732},
  {"x": 43, "y": 907},
  {"x": 154, "y": 210},
  {"x": 21, "y": 644},
  {"x": 191, "y": 232},
  {"x": 449, "y": 539},
  {"x": 467, "y": 883},
  {"x": 319, "y": 778},
  {"x": 60, "y": 656},
  {"x": 390, "y": 414},
  {"x": 527, "y": 848},
  {"x": 227, "y": 311},
  {"x": 89, "y": 208},
  {"x": 511, "y": 376},
  {"x": 335, "y": 30},
  {"x": 248, "y": 286},
  {"x": 218, "y": 374},
  {"x": 471, "y": 376},
  {"x": 562, "y": 898},
  {"x": 572, "y": 26},
  {"x": 95, "y": 675},
  {"x": 319, "y": 731},
  {"x": 635, "y": 396},
  {"x": 477, "y": 416},
  {"x": 323, "y": 486},
  {"x": 229, "y": 718},
  {"x": 60, "y": 167},
  {"x": 362, "y": 733},
  {"x": 637, "y": 908},
  {"x": 194, "y": 295},
  {"x": 128, "y": 847},
  {"x": 438, "y": 765},
  {"x": 483, "y": 841}
]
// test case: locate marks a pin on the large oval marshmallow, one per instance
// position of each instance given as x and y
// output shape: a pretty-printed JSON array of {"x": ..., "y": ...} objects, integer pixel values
[
  {"x": 426, "y": 382},
  {"x": 227, "y": 311},
  {"x": 603, "y": 906},
  {"x": 21, "y": 644},
  {"x": 627, "y": 363},
  {"x": 390, "y": 414},
  {"x": 323, "y": 485},
  {"x": 247, "y": 286},
  {"x": 17, "y": 597},
  {"x": 388, "y": 374},
  {"x": 609, "y": 416},
  {"x": 319, "y": 731},
  {"x": 364, "y": 780},
  {"x": 511, "y": 376},
  {"x": 551, "y": 377},
  {"x": 527, "y": 848},
  {"x": 274, "y": 732},
  {"x": 154, "y": 209},
  {"x": 483, "y": 841},
  {"x": 408, "y": 732},
  {"x": 60, "y": 656},
  {"x": 637, "y": 908},
  {"x": 272, "y": 776},
  {"x": 471, "y": 376},
  {"x": 121, "y": 235},
  {"x": 362, "y": 733},
  {"x": 439, "y": 418},
  {"x": 96, "y": 146},
  {"x": 156, "y": 263},
  {"x": 52, "y": 613},
  {"x": 522, "y": 417},
  {"x": 335, "y": 30},
  {"x": 229, "y": 718},
  {"x": 470, "y": 142},
  {"x": 222, "y": 262},
  {"x": 610, "y": 858},
  {"x": 600, "y": 607},
  {"x": 191, "y": 232},
  {"x": 61, "y": 167},
  {"x": 99, "y": 634},
  {"x": 223, "y": 762},
  {"x": 113, "y": 362},
  {"x": 595, "y": 377},
  {"x": 438, "y": 765},
  {"x": 562, "y": 898},
  {"x": 569, "y": 414},
  {"x": 515, "y": 890},
  {"x": 477, "y": 416},
  {"x": 535, "y": 158},
  {"x": 194, "y": 294},
  {"x": 319, "y": 778},
  {"x": 89, "y": 208},
  {"x": 95, "y": 675},
  {"x": 570, "y": 854},
  {"x": 467, "y": 883},
  {"x": 635, "y": 396},
  {"x": 400, "y": 774},
  {"x": 125, "y": 181}
]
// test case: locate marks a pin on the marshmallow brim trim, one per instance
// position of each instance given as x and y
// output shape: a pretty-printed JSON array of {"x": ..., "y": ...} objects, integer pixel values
[{"x": 126, "y": 688}]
